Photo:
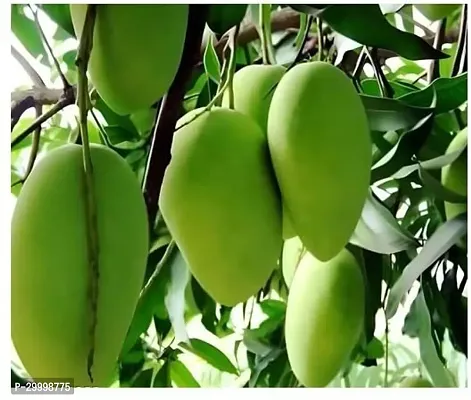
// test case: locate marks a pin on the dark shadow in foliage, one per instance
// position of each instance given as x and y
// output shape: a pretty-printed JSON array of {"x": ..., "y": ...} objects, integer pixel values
[{"x": 457, "y": 307}]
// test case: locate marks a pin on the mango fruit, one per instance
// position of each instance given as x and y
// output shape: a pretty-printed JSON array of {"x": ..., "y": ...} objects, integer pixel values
[
  {"x": 324, "y": 317},
  {"x": 254, "y": 86},
  {"x": 415, "y": 382},
  {"x": 137, "y": 49},
  {"x": 436, "y": 12},
  {"x": 321, "y": 150},
  {"x": 455, "y": 177},
  {"x": 221, "y": 204},
  {"x": 50, "y": 273}
]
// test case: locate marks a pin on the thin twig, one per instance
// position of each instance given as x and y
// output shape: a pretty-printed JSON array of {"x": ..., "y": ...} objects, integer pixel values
[
  {"x": 320, "y": 40},
  {"x": 159, "y": 156},
  {"x": 385, "y": 86},
  {"x": 65, "y": 83},
  {"x": 307, "y": 29},
  {"x": 61, "y": 104},
  {"x": 83, "y": 102}
]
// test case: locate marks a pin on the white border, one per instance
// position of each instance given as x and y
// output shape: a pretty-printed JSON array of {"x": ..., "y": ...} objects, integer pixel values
[{"x": 206, "y": 394}]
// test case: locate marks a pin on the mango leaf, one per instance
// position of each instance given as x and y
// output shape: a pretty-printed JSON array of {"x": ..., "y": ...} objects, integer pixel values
[
  {"x": 210, "y": 354},
  {"x": 151, "y": 297},
  {"x": 366, "y": 24},
  {"x": 439, "y": 374},
  {"x": 27, "y": 33},
  {"x": 386, "y": 114},
  {"x": 440, "y": 192},
  {"x": 451, "y": 93},
  {"x": 163, "y": 378},
  {"x": 262, "y": 364},
  {"x": 371, "y": 87},
  {"x": 343, "y": 44},
  {"x": 401, "y": 154},
  {"x": 211, "y": 62},
  {"x": 378, "y": 230},
  {"x": 60, "y": 14},
  {"x": 175, "y": 297},
  {"x": 438, "y": 244},
  {"x": 223, "y": 17},
  {"x": 181, "y": 375}
]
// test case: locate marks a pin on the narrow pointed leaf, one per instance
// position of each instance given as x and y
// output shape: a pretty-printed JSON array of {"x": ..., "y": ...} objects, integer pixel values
[
  {"x": 211, "y": 355},
  {"x": 441, "y": 192},
  {"x": 60, "y": 14},
  {"x": 182, "y": 376},
  {"x": 223, "y": 17},
  {"x": 366, "y": 24},
  {"x": 175, "y": 297},
  {"x": 211, "y": 62},
  {"x": 378, "y": 230},
  {"x": 439, "y": 243}
]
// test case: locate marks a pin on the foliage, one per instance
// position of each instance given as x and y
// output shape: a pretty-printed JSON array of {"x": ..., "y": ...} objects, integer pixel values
[{"x": 412, "y": 79}]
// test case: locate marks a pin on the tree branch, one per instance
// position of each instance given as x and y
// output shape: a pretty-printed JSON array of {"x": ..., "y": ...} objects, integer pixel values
[{"x": 159, "y": 156}]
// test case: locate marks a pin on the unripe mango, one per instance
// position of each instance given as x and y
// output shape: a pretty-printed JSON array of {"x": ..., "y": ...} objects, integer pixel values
[
  {"x": 220, "y": 202},
  {"x": 321, "y": 150},
  {"x": 415, "y": 382},
  {"x": 455, "y": 177},
  {"x": 254, "y": 86},
  {"x": 436, "y": 12},
  {"x": 136, "y": 51},
  {"x": 50, "y": 274},
  {"x": 324, "y": 317}
]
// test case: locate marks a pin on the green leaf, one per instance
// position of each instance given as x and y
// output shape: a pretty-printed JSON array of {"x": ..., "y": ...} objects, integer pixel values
[
  {"x": 439, "y": 374},
  {"x": 375, "y": 348},
  {"x": 162, "y": 377},
  {"x": 438, "y": 244},
  {"x": 311, "y": 9},
  {"x": 211, "y": 355},
  {"x": 366, "y": 24},
  {"x": 223, "y": 17},
  {"x": 371, "y": 87},
  {"x": 439, "y": 191},
  {"x": 211, "y": 62},
  {"x": 175, "y": 297},
  {"x": 151, "y": 298},
  {"x": 451, "y": 93},
  {"x": 60, "y": 14},
  {"x": 273, "y": 308},
  {"x": 378, "y": 230},
  {"x": 401, "y": 154},
  {"x": 390, "y": 114},
  {"x": 117, "y": 134},
  {"x": 27, "y": 33},
  {"x": 263, "y": 363},
  {"x": 181, "y": 375}
]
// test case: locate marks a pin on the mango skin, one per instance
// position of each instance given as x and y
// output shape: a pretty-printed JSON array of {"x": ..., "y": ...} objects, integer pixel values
[
  {"x": 415, "y": 382},
  {"x": 324, "y": 317},
  {"x": 293, "y": 251},
  {"x": 436, "y": 12},
  {"x": 455, "y": 178},
  {"x": 220, "y": 202},
  {"x": 136, "y": 51},
  {"x": 49, "y": 269},
  {"x": 254, "y": 86},
  {"x": 321, "y": 149}
]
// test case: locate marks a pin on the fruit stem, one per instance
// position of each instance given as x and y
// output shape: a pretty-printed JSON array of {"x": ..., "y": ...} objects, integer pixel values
[
  {"x": 228, "y": 73},
  {"x": 384, "y": 85},
  {"x": 434, "y": 69},
  {"x": 268, "y": 52},
  {"x": 83, "y": 56},
  {"x": 320, "y": 40}
]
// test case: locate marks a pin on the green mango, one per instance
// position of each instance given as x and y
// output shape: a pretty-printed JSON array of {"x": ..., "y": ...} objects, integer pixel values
[
  {"x": 254, "y": 86},
  {"x": 321, "y": 150},
  {"x": 415, "y": 382},
  {"x": 324, "y": 317},
  {"x": 436, "y": 12},
  {"x": 136, "y": 51},
  {"x": 50, "y": 273},
  {"x": 220, "y": 202},
  {"x": 455, "y": 177}
]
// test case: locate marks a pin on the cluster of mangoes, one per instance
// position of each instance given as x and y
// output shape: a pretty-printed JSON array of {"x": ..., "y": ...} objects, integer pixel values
[
  {"x": 295, "y": 152},
  {"x": 134, "y": 59}
]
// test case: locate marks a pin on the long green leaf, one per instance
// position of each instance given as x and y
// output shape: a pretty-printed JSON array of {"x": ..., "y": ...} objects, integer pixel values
[
  {"x": 175, "y": 297},
  {"x": 439, "y": 243},
  {"x": 182, "y": 376},
  {"x": 439, "y": 191},
  {"x": 439, "y": 374},
  {"x": 210, "y": 354},
  {"x": 451, "y": 93},
  {"x": 60, "y": 14},
  {"x": 223, "y": 17},
  {"x": 366, "y": 24},
  {"x": 378, "y": 230},
  {"x": 390, "y": 114}
]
